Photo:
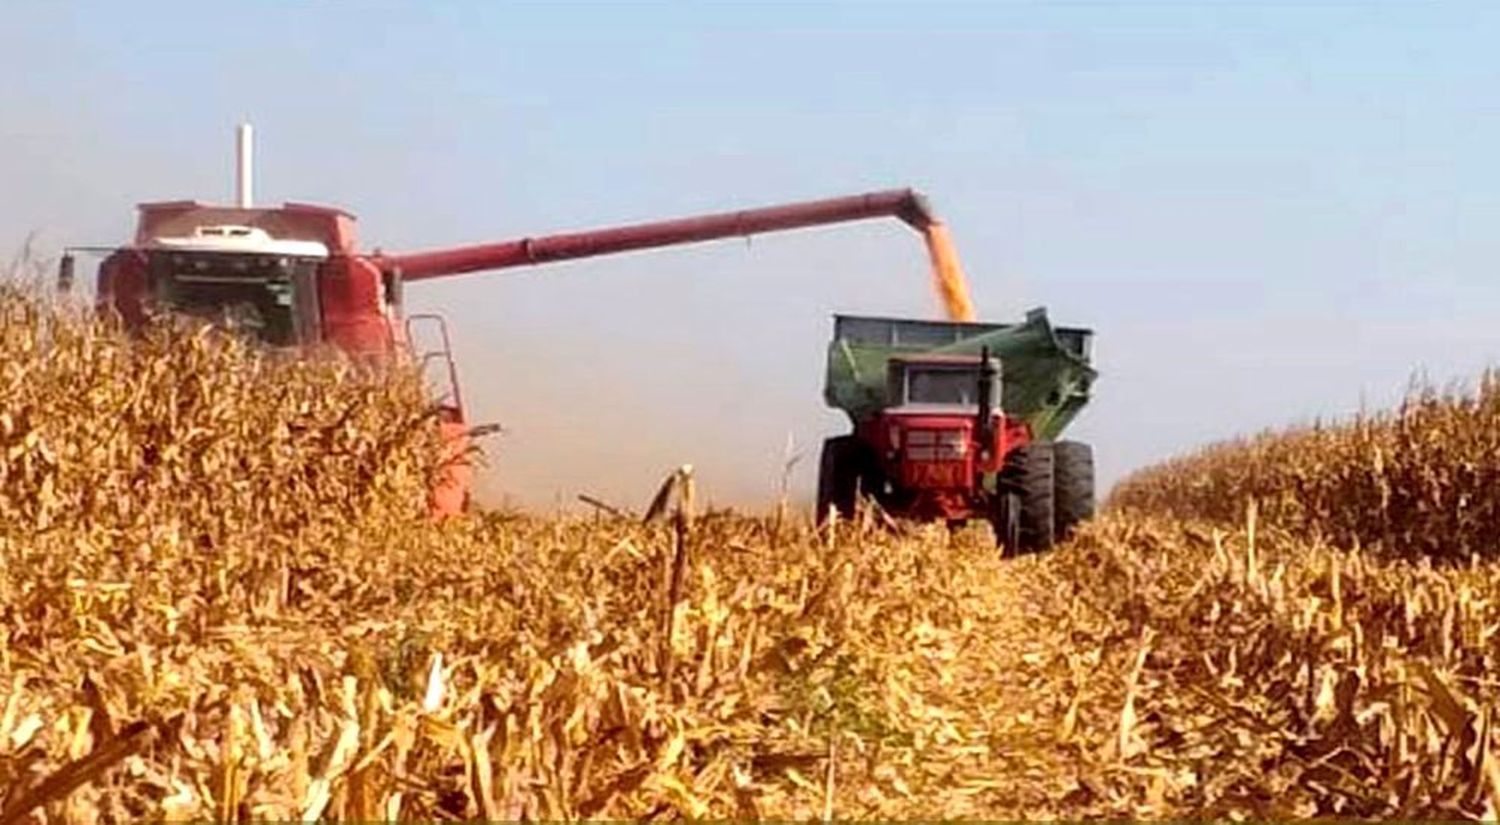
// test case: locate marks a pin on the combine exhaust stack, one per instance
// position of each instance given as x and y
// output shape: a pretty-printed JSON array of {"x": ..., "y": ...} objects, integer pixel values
[{"x": 244, "y": 150}]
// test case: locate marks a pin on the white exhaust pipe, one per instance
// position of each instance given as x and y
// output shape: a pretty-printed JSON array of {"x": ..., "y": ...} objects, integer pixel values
[{"x": 244, "y": 149}]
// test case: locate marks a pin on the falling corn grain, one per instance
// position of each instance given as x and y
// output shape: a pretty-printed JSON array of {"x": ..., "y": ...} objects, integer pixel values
[{"x": 948, "y": 273}]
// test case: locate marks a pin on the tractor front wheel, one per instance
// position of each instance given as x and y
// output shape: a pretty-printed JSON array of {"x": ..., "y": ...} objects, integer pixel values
[{"x": 1005, "y": 518}]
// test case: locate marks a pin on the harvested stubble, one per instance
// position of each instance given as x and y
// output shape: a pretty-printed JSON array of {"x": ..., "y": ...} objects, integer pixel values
[
  {"x": 1216, "y": 675},
  {"x": 1237, "y": 654},
  {"x": 222, "y": 599}
]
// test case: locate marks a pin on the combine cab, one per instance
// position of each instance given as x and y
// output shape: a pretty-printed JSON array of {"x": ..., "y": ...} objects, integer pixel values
[
  {"x": 956, "y": 421},
  {"x": 286, "y": 276}
]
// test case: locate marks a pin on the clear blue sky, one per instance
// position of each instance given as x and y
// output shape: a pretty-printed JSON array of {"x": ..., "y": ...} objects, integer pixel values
[{"x": 1268, "y": 211}]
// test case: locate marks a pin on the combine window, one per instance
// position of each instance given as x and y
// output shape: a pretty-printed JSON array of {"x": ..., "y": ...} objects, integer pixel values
[{"x": 269, "y": 297}]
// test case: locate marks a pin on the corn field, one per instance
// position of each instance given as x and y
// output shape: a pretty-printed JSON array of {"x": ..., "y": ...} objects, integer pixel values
[
  {"x": 223, "y": 600},
  {"x": 1418, "y": 481}
]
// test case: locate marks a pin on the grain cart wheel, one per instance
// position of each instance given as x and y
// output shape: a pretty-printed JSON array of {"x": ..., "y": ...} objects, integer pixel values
[
  {"x": 1028, "y": 474},
  {"x": 838, "y": 477},
  {"x": 1073, "y": 479},
  {"x": 1005, "y": 518}
]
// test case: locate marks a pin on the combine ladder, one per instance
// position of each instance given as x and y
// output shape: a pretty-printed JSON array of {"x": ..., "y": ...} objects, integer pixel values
[{"x": 441, "y": 354}]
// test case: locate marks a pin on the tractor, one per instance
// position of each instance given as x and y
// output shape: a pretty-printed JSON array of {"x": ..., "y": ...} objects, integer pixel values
[{"x": 959, "y": 421}]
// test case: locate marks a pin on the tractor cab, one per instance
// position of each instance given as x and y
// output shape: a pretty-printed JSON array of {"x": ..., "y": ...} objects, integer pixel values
[
  {"x": 941, "y": 431},
  {"x": 937, "y": 383},
  {"x": 942, "y": 420}
]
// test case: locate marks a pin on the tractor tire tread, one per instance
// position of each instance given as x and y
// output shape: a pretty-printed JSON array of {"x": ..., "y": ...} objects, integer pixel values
[
  {"x": 838, "y": 475},
  {"x": 1073, "y": 470},
  {"x": 1029, "y": 473}
]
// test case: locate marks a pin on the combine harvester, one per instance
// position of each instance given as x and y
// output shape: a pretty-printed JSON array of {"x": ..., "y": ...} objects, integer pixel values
[{"x": 294, "y": 277}]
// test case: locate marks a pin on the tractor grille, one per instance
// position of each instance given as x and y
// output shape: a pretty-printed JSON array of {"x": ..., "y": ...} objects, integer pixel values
[{"x": 937, "y": 445}]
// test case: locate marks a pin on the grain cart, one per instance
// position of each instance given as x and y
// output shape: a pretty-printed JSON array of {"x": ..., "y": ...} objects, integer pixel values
[
  {"x": 957, "y": 421},
  {"x": 294, "y": 276}
]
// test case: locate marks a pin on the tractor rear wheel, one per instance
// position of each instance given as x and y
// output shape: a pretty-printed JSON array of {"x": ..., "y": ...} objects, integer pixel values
[
  {"x": 1074, "y": 479},
  {"x": 838, "y": 477},
  {"x": 1029, "y": 475}
]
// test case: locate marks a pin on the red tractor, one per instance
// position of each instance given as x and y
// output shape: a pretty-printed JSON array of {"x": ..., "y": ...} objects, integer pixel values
[
  {"x": 294, "y": 275},
  {"x": 957, "y": 421}
]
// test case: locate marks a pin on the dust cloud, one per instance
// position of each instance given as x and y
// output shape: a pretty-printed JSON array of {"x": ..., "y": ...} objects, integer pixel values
[{"x": 737, "y": 406}]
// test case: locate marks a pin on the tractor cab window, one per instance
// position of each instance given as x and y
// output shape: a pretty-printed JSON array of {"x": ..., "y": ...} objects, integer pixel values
[
  {"x": 268, "y": 297},
  {"x": 944, "y": 384}
]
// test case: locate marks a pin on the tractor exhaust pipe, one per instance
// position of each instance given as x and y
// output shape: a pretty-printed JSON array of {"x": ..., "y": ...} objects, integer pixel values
[
  {"x": 244, "y": 149},
  {"x": 984, "y": 426}
]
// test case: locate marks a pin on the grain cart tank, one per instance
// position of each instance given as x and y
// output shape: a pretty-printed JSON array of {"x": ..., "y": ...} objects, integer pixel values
[{"x": 957, "y": 421}]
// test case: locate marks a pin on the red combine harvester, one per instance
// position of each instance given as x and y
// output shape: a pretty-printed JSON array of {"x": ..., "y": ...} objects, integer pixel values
[{"x": 294, "y": 275}]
